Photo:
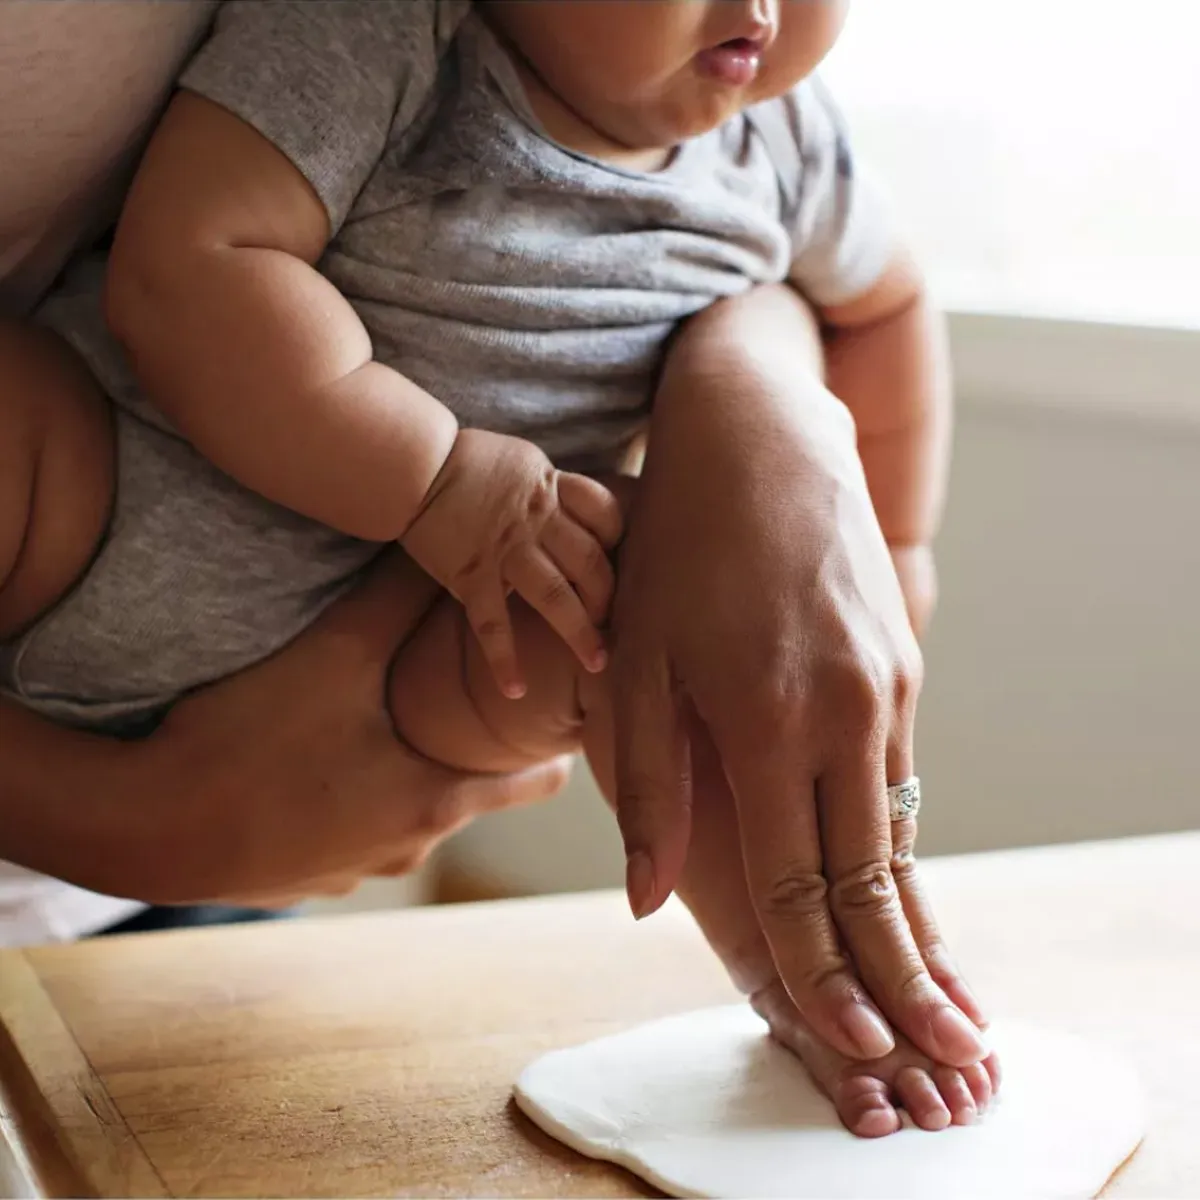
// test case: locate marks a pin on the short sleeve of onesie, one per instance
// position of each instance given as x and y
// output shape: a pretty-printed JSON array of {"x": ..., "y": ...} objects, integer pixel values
[
  {"x": 842, "y": 235},
  {"x": 323, "y": 80}
]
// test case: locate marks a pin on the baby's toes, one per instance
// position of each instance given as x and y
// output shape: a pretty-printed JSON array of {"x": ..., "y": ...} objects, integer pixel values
[
  {"x": 980, "y": 1084},
  {"x": 920, "y": 1096},
  {"x": 859, "y": 1091},
  {"x": 991, "y": 1065},
  {"x": 863, "y": 1105},
  {"x": 957, "y": 1095}
]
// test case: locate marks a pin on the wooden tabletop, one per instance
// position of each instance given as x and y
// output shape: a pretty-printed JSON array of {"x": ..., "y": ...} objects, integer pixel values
[{"x": 373, "y": 1055}]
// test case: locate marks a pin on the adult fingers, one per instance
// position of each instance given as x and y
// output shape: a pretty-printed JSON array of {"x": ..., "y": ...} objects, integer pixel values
[
  {"x": 914, "y": 900},
  {"x": 452, "y": 800},
  {"x": 713, "y": 884},
  {"x": 856, "y": 835},
  {"x": 714, "y": 887},
  {"x": 921, "y": 921},
  {"x": 781, "y": 848},
  {"x": 652, "y": 769},
  {"x": 479, "y": 794}
]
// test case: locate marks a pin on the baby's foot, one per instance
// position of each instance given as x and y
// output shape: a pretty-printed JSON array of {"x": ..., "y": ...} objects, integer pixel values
[{"x": 868, "y": 1094}]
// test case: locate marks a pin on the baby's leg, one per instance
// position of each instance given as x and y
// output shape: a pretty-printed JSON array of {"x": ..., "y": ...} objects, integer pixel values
[
  {"x": 56, "y": 472},
  {"x": 445, "y": 703}
]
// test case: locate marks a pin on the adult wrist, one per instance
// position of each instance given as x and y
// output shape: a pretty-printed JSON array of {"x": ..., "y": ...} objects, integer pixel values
[
  {"x": 754, "y": 359},
  {"x": 742, "y": 412}
]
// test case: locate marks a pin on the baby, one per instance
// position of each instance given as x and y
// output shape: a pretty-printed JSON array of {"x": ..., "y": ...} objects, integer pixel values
[{"x": 404, "y": 271}]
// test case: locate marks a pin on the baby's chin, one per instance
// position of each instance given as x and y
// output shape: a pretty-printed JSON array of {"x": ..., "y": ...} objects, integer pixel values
[
  {"x": 683, "y": 119},
  {"x": 697, "y": 105}
]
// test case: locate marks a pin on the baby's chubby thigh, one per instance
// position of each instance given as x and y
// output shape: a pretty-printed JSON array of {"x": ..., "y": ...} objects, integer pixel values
[{"x": 445, "y": 703}]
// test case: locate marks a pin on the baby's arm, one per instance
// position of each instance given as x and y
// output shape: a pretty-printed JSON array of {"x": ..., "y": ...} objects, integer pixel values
[
  {"x": 885, "y": 345},
  {"x": 886, "y": 359},
  {"x": 266, "y": 368},
  {"x": 257, "y": 358}
]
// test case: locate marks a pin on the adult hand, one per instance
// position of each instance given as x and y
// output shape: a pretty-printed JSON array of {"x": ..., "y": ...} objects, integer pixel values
[
  {"x": 284, "y": 781},
  {"x": 866, "y": 1095},
  {"x": 756, "y": 586},
  {"x": 316, "y": 791}
]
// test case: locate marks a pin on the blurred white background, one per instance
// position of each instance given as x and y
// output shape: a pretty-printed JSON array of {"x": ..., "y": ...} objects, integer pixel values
[{"x": 1043, "y": 155}]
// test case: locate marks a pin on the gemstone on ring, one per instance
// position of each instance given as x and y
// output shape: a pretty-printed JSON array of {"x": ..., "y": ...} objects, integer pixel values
[{"x": 904, "y": 799}]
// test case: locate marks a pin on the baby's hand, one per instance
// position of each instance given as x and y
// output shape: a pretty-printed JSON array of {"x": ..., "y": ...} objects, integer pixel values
[{"x": 500, "y": 518}]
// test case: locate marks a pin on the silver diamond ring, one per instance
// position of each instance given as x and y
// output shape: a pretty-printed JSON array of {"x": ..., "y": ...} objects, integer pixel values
[{"x": 904, "y": 799}]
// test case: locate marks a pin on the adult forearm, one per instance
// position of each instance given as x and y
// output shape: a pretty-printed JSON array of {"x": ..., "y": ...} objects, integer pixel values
[
  {"x": 759, "y": 358},
  {"x": 74, "y": 805},
  {"x": 138, "y": 819}
]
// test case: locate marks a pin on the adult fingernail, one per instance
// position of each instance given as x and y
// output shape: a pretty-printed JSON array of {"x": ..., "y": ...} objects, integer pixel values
[
  {"x": 956, "y": 1037},
  {"x": 946, "y": 973},
  {"x": 639, "y": 883},
  {"x": 969, "y": 1003},
  {"x": 868, "y": 1031}
]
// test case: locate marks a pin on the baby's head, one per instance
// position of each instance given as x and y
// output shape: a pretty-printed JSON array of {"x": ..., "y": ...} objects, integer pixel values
[{"x": 650, "y": 73}]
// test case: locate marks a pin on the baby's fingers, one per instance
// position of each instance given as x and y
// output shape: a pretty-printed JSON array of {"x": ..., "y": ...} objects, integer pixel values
[
  {"x": 593, "y": 506},
  {"x": 584, "y": 562},
  {"x": 487, "y": 614},
  {"x": 546, "y": 589}
]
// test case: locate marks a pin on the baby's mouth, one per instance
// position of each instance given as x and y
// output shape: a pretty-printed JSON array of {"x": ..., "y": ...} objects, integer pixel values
[{"x": 735, "y": 62}]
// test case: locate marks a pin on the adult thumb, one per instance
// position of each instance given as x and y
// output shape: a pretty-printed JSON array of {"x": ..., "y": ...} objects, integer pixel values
[
  {"x": 652, "y": 765},
  {"x": 490, "y": 793}
]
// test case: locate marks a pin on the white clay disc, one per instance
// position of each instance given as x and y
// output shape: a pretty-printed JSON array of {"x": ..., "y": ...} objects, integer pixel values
[{"x": 706, "y": 1104}]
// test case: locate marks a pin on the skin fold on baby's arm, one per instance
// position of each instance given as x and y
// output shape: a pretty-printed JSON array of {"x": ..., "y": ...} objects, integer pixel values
[{"x": 265, "y": 367}]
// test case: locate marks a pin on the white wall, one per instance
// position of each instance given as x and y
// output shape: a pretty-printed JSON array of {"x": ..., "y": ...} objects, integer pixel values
[{"x": 1064, "y": 667}]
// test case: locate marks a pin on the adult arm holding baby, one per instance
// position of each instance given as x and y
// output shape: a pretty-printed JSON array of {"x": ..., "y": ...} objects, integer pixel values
[{"x": 285, "y": 781}]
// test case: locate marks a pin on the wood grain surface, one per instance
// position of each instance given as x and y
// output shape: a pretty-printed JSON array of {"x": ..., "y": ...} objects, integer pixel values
[{"x": 373, "y": 1055}]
